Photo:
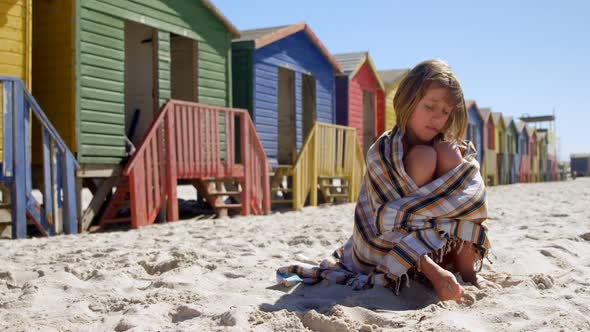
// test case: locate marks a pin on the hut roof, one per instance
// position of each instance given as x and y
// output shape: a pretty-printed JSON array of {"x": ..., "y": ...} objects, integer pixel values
[
  {"x": 234, "y": 31},
  {"x": 351, "y": 63},
  {"x": 485, "y": 112},
  {"x": 508, "y": 120},
  {"x": 392, "y": 76},
  {"x": 520, "y": 126},
  {"x": 265, "y": 36},
  {"x": 497, "y": 116}
]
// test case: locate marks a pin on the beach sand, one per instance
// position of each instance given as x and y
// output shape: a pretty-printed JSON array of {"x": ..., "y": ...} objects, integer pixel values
[{"x": 219, "y": 274}]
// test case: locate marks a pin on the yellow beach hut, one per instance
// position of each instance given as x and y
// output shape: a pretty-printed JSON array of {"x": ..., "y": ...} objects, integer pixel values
[
  {"x": 391, "y": 80},
  {"x": 500, "y": 147},
  {"x": 489, "y": 165},
  {"x": 15, "y": 45}
]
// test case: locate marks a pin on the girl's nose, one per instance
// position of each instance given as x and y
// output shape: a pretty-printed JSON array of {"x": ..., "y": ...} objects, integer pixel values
[{"x": 438, "y": 116}]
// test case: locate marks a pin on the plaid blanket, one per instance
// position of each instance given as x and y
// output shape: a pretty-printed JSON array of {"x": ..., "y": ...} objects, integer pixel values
[{"x": 396, "y": 222}]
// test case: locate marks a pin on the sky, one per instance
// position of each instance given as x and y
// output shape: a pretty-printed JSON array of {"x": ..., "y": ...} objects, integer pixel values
[{"x": 517, "y": 57}]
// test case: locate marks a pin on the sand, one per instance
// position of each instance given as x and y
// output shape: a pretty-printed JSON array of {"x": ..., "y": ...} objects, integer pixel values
[{"x": 219, "y": 274}]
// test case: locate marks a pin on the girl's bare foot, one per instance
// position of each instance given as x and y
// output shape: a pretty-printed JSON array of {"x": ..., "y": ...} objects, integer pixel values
[{"x": 444, "y": 282}]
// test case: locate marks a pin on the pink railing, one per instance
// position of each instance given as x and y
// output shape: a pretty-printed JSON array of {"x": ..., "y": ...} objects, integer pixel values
[{"x": 195, "y": 141}]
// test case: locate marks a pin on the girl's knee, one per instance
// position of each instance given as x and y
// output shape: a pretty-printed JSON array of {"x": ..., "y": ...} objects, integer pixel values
[
  {"x": 420, "y": 164},
  {"x": 423, "y": 156},
  {"x": 448, "y": 157}
]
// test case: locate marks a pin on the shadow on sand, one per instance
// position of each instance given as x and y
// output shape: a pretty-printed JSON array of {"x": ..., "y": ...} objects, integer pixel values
[{"x": 323, "y": 296}]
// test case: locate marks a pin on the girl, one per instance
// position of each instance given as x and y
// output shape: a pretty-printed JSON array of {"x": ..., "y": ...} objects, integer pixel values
[
  {"x": 422, "y": 202},
  {"x": 431, "y": 110}
]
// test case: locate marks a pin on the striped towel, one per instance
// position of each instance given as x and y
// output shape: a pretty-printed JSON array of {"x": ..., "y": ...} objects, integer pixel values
[{"x": 396, "y": 222}]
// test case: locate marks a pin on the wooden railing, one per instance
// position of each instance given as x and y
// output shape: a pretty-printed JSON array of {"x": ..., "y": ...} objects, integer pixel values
[
  {"x": 328, "y": 151},
  {"x": 59, "y": 166},
  {"x": 256, "y": 168},
  {"x": 187, "y": 141}
]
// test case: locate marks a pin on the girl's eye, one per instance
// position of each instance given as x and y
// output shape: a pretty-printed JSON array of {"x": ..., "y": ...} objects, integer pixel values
[
  {"x": 428, "y": 107},
  {"x": 446, "y": 112}
]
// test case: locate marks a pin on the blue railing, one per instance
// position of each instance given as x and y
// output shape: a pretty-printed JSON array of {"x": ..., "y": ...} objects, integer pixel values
[{"x": 59, "y": 166}]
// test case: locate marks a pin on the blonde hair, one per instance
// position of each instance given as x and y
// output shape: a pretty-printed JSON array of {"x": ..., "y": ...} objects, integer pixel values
[{"x": 413, "y": 87}]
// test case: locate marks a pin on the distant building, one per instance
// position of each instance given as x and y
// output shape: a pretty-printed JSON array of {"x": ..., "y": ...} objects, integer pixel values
[{"x": 580, "y": 163}]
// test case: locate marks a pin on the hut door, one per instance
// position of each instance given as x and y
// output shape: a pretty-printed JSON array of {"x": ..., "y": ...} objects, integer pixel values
[
  {"x": 309, "y": 104},
  {"x": 140, "y": 77},
  {"x": 287, "y": 152},
  {"x": 183, "y": 54},
  {"x": 368, "y": 120}
]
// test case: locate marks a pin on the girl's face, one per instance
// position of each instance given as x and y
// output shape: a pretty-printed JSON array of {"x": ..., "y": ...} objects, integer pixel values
[{"x": 430, "y": 115}]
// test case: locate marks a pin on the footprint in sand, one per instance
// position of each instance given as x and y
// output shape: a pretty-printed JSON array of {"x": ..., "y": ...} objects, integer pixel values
[
  {"x": 318, "y": 322},
  {"x": 300, "y": 240},
  {"x": 559, "y": 215},
  {"x": 124, "y": 325},
  {"x": 472, "y": 295},
  {"x": 557, "y": 246},
  {"x": 232, "y": 275},
  {"x": 6, "y": 275},
  {"x": 159, "y": 267},
  {"x": 561, "y": 263},
  {"x": 542, "y": 281},
  {"x": 184, "y": 312}
]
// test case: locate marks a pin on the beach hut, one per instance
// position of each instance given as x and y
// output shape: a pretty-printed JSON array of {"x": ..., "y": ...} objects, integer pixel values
[
  {"x": 475, "y": 129},
  {"x": 56, "y": 212},
  {"x": 512, "y": 150},
  {"x": 360, "y": 97},
  {"x": 580, "y": 164},
  {"x": 100, "y": 65},
  {"x": 524, "y": 168},
  {"x": 105, "y": 72},
  {"x": 542, "y": 148},
  {"x": 285, "y": 77},
  {"x": 534, "y": 153},
  {"x": 15, "y": 39},
  {"x": 500, "y": 147},
  {"x": 490, "y": 165},
  {"x": 15, "y": 45},
  {"x": 552, "y": 162},
  {"x": 391, "y": 80}
]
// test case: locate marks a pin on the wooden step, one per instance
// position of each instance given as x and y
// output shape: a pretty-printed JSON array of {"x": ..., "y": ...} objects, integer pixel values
[
  {"x": 5, "y": 215},
  {"x": 116, "y": 220},
  {"x": 286, "y": 190},
  {"x": 119, "y": 200},
  {"x": 282, "y": 201},
  {"x": 334, "y": 186},
  {"x": 225, "y": 179},
  {"x": 120, "y": 204},
  {"x": 332, "y": 178},
  {"x": 225, "y": 193},
  {"x": 336, "y": 195},
  {"x": 228, "y": 206}
]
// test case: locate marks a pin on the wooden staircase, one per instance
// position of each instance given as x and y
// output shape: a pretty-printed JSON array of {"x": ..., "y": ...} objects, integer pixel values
[
  {"x": 215, "y": 192},
  {"x": 58, "y": 209},
  {"x": 281, "y": 185},
  {"x": 118, "y": 208},
  {"x": 334, "y": 189},
  {"x": 330, "y": 163},
  {"x": 198, "y": 143}
]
